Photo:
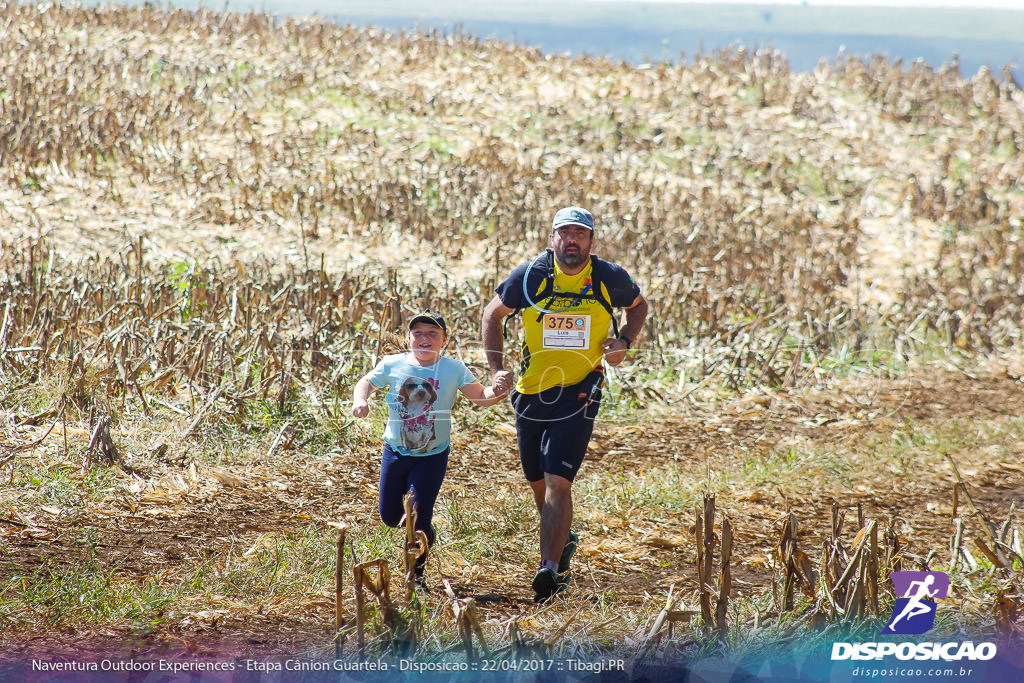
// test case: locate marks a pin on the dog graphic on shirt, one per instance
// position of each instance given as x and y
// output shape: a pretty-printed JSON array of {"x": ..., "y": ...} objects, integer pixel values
[{"x": 416, "y": 397}]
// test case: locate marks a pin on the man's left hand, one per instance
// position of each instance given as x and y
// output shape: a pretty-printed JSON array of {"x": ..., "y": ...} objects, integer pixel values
[{"x": 614, "y": 351}]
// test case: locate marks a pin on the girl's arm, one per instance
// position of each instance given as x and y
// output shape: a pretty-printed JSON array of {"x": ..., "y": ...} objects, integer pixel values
[
  {"x": 486, "y": 396},
  {"x": 360, "y": 394}
]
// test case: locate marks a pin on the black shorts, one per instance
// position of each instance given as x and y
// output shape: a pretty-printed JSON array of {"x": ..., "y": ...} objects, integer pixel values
[{"x": 554, "y": 427}]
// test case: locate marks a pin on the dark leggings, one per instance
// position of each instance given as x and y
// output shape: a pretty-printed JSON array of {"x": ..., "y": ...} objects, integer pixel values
[{"x": 421, "y": 474}]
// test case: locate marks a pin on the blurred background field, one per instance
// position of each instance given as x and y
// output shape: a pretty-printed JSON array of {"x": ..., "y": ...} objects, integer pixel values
[{"x": 975, "y": 34}]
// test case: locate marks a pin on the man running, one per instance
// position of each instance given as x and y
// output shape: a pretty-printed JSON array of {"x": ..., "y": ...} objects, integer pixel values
[{"x": 567, "y": 298}]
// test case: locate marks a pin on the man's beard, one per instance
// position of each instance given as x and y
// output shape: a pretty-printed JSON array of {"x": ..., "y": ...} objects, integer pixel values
[{"x": 572, "y": 259}]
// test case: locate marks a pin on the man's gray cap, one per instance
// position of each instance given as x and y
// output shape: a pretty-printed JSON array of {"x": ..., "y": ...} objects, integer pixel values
[{"x": 573, "y": 215}]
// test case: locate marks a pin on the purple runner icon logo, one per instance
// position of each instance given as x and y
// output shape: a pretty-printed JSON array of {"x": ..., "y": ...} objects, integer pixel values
[{"x": 917, "y": 594}]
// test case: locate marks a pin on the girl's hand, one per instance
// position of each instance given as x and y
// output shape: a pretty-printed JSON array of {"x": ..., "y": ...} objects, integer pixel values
[
  {"x": 502, "y": 382},
  {"x": 360, "y": 409}
]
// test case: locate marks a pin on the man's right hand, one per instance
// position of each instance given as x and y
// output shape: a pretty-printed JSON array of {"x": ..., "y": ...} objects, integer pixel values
[
  {"x": 502, "y": 379},
  {"x": 360, "y": 409}
]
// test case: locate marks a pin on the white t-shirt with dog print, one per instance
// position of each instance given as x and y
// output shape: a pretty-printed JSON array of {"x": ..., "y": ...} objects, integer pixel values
[{"x": 420, "y": 400}]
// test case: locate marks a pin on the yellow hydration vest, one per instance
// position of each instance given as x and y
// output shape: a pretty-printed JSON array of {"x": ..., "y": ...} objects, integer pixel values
[{"x": 563, "y": 346}]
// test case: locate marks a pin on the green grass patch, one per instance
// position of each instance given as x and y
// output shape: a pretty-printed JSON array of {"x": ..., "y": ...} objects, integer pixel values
[{"x": 55, "y": 595}]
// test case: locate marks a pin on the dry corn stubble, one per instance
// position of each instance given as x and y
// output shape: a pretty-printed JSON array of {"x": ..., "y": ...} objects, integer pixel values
[{"x": 758, "y": 238}]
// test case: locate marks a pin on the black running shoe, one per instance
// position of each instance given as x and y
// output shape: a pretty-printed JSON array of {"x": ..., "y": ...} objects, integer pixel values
[
  {"x": 546, "y": 583},
  {"x": 421, "y": 583}
]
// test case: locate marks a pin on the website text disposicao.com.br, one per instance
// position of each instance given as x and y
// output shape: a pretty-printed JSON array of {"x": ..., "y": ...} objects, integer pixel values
[
  {"x": 958, "y": 659},
  {"x": 912, "y": 672}
]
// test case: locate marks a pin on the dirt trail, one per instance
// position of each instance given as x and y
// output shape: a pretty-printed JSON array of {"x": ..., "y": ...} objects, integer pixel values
[{"x": 636, "y": 556}]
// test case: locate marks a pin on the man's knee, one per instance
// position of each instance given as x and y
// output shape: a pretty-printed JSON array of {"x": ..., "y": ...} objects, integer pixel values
[{"x": 556, "y": 486}]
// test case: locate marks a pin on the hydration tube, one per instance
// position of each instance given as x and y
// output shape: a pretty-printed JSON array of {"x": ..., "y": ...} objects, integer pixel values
[{"x": 526, "y": 277}]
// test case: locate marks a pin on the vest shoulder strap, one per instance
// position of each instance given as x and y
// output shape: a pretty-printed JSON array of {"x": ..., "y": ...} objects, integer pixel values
[{"x": 545, "y": 268}]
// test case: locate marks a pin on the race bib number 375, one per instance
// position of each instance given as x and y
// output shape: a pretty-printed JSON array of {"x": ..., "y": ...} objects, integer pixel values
[{"x": 563, "y": 331}]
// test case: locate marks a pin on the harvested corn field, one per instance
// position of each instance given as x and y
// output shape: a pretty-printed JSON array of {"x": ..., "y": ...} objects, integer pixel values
[{"x": 214, "y": 223}]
